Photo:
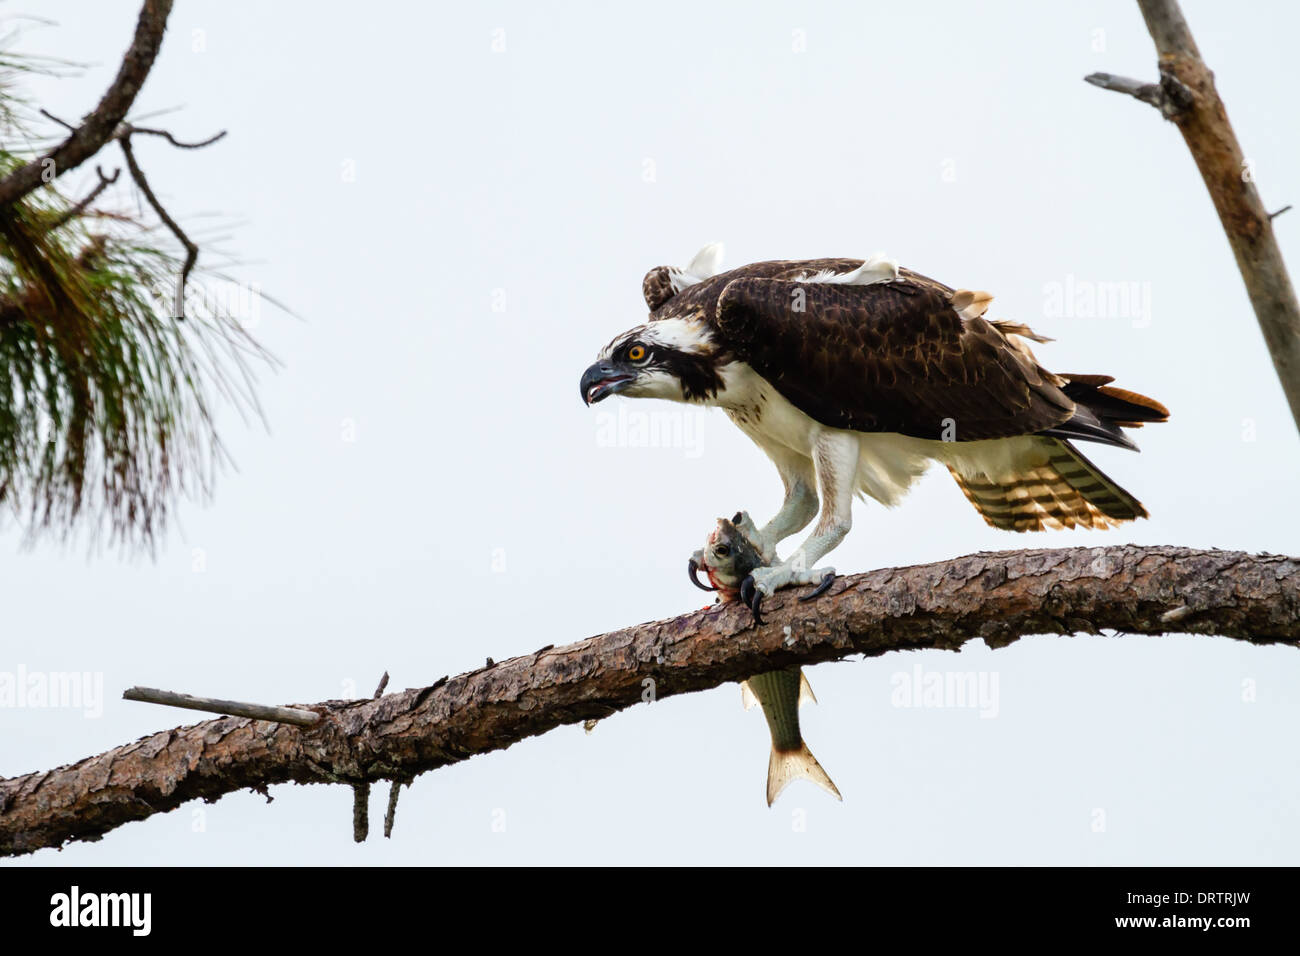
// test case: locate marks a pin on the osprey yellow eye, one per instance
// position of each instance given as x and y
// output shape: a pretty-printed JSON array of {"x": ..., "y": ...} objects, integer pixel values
[{"x": 636, "y": 353}]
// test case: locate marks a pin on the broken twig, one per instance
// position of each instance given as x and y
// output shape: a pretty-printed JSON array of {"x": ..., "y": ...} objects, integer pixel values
[{"x": 214, "y": 705}]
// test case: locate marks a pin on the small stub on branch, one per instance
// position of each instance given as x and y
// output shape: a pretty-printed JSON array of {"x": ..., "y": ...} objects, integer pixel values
[
  {"x": 360, "y": 812},
  {"x": 394, "y": 792},
  {"x": 1169, "y": 96}
]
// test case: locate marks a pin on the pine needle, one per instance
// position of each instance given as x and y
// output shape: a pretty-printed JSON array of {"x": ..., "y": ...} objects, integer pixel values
[{"x": 106, "y": 398}]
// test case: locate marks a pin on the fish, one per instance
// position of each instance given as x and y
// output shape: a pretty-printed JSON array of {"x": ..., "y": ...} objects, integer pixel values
[{"x": 727, "y": 558}]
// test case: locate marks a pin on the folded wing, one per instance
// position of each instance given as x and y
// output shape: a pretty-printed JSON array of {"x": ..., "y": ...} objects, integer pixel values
[{"x": 890, "y": 357}]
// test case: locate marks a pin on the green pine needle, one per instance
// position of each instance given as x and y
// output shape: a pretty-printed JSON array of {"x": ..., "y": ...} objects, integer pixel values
[{"x": 106, "y": 400}]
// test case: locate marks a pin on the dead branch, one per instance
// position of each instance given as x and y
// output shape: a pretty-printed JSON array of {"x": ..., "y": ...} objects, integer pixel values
[
  {"x": 80, "y": 208},
  {"x": 191, "y": 250},
  {"x": 174, "y": 141},
  {"x": 214, "y": 705},
  {"x": 1169, "y": 96},
  {"x": 360, "y": 812},
  {"x": 998, "y": 597},
  {"x": 1186, "y": 95},
  {"x": 361, "y": 793},
  {"x": 100, "y": 125},
  {"x": 394, "y": 791}
]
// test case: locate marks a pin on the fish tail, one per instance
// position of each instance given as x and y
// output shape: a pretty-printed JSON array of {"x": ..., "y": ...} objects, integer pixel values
[{"x": 787, "y": 765}]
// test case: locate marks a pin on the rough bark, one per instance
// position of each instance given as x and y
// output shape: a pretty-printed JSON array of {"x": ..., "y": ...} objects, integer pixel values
[
  {"x": 994, "y": 596},
  {"x": 101, "y": 124},
  {"x": 1187, "y": 96}
]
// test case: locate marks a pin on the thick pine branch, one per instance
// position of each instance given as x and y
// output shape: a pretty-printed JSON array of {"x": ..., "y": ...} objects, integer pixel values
[{"x": 995, "y": 596}]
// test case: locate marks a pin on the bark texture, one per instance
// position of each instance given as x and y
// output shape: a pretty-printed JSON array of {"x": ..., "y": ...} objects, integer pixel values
[{"x": 998, "y": 597}]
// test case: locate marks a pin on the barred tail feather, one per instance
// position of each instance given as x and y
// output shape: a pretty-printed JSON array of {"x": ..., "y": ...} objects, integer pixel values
[{"x": 1053, "y": 486}]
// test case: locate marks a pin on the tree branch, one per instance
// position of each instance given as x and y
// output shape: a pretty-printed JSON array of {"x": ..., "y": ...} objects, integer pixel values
[
  {"x": 1186, "y": 95},
  {"x": 994, "y": 596},
  {"x": 283, "y": 715},
  {"x": 1169, "y": 97},
  {"x": 81, "y": 207},
  {"x": 191, "y": 250},
  {"x": 394, "y": 791},
  {"x": 176, "y": 142},
  {"x": 100, "y": 125}
]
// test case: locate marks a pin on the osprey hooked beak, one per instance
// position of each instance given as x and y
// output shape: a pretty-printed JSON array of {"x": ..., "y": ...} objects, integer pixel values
[{"x": 605, "y": 378}]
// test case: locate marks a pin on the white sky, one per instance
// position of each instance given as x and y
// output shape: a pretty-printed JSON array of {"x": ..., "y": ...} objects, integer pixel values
[{"x": 958, "y": 137}]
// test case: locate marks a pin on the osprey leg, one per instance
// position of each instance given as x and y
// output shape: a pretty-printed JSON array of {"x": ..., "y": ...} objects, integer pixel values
[
  {"x": 797, "y": 511},
  {"x": 798, "y": 508},
  {"x": 835, "y": 458}
]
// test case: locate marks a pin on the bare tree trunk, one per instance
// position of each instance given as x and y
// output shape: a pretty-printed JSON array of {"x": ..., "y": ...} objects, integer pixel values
[
  {"x": 994, "y": 596},
  {"x": 1186, "y": 95}
]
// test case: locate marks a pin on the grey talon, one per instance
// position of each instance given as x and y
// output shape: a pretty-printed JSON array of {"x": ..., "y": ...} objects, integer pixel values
[
  {"x": 821, "y": 588},
  {"x": 693, "y": 570},
  {"x": 752, "y": 597}
]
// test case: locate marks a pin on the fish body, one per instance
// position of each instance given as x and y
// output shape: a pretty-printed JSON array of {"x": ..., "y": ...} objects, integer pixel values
[{"x": 728, "y": 558}]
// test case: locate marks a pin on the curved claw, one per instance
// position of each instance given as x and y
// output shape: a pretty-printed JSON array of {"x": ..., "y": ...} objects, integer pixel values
[
  {"x": 821, "y": 588},
  {"x": 693, "y": 569},
  {"x": 752, "y": 597}
]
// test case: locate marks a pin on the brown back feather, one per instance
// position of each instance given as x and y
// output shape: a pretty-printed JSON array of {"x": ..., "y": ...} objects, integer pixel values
[{"x": 887, "y": 357}]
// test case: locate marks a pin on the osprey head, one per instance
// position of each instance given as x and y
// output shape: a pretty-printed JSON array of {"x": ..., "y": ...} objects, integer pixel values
[{"x": 668, "y": 358}]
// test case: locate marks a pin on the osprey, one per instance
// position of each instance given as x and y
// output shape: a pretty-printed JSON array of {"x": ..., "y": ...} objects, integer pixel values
[{"x": 852, "y": 376}]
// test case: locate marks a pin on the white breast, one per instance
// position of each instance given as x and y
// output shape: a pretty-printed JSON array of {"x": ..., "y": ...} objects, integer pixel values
[{"x": 888, "y": 464}]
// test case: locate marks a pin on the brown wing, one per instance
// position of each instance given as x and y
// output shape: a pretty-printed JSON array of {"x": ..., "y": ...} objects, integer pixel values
[
  {"x": 664, "y": 302},
  {"x": 888, "y": 357}
]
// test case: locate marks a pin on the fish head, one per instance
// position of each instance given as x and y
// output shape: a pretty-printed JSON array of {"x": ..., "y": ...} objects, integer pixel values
[{"x": 729, "y": 557}]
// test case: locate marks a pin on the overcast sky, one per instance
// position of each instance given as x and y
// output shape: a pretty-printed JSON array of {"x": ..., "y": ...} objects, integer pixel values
[{"x": 460, "y": 200}]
